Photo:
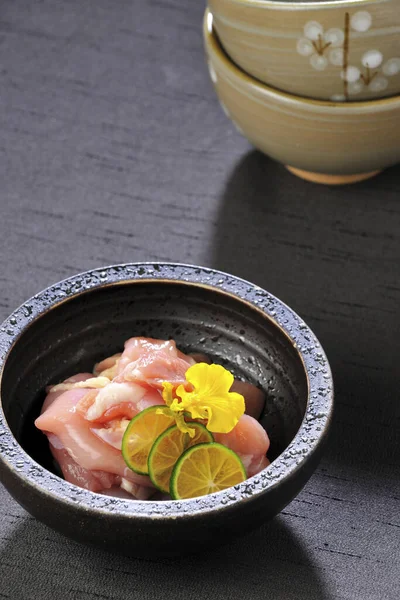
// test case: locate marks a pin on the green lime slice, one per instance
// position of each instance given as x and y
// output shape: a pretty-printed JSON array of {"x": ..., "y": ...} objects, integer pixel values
[
  {"x": 205, "y": 469},
  {"x": 140, "y": 435},
  {"x": 168, "y": 447}
]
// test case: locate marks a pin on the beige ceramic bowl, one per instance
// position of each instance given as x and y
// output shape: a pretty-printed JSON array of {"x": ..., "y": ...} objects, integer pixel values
[
  {"x": 321, "y": 141},
  {"x": 336, "y": 50}
]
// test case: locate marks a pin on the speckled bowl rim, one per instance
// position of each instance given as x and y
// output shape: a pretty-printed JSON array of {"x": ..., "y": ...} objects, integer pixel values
[
  {"x": 237, "y": 74},
  {"x": 311, "y": 434}
]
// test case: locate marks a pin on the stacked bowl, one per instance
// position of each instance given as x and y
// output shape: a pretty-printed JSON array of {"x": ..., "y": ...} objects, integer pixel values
[{"x": 315, "y": 85}]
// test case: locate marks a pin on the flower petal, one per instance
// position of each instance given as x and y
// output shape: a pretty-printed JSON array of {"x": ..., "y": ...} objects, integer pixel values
[
  {"x": 210, "y": 398},
  {"x": 312, "y": 30},
  {"x": 164, "y": 410},
  {"x": 167, "y": 392},
  {"x": 224, "y": 413},
  {"x": 209, "y": 380},
  {"x": 361, "y": 21},
  {"x": 305, "y": 47},
  {"x": 183, "y": 426}
]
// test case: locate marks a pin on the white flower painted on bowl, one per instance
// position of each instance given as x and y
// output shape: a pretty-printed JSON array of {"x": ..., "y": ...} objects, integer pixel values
[
  {"x": 334, "y": 36},
  {"x": 391, "y": 67},
  {"x": 319, "y": 63},
  {"x": 336, "y": 57},
  {"x": 305, "y": 47},
  {"x": 372, "y": 59},
  {"x": 212, "y": 72},
  {"x": 374, "y": 84},
  {"x": 313, "y": 30},
  {"x": 356, "y": 87},
  {"x": 361, "y": 21},
  {"x": 316, "y": 42},
  {"x": 371, "y": 78},
  {"x": 378, "y": 84},
  {"x": 351, "y": 74},
  {"x": 333, "y": 47}
]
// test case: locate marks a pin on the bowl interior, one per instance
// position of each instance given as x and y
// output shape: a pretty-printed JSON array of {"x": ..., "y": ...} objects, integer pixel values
[{"x": 76, "y": 333}]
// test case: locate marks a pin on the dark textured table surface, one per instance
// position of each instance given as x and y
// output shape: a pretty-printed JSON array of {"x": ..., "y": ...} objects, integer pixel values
[{"x": 114, "y": 149}]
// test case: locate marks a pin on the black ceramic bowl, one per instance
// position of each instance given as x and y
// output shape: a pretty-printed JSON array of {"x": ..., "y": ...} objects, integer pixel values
[{"x": 72, "y": 324}]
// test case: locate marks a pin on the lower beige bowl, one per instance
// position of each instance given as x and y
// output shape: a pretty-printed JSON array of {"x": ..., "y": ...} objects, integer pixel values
[{"x": 321, "y": 141}]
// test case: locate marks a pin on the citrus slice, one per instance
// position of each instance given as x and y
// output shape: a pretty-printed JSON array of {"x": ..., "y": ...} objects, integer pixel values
[
  {"x": 140, "y": 435},
  {"x": 205, "y": 469},
  {"x": 168, "y": 447}
]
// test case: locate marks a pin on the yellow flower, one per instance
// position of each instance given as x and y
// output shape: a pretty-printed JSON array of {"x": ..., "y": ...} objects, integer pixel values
[
  {"x": 168, "y": 398},
  {"x": 167, "y": 394},
  {"x": 210, "y": 399}
]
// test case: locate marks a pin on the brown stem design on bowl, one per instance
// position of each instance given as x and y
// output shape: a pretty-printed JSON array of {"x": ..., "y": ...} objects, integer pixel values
[
  {"x": 346, "y": 45},
  {"x": 319, "y": 45},
  {"x": 368, "y": 77}
]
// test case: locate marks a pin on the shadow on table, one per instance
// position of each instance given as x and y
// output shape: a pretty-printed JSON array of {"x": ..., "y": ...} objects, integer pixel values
[
  {"x": 332, "y": 254},
  {"x": 269, "y": 563},
  {"x": 268, "y": 220}
]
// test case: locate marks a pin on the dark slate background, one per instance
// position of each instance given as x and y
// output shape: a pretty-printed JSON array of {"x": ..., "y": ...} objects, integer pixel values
[{"x": 114, "y": 149}]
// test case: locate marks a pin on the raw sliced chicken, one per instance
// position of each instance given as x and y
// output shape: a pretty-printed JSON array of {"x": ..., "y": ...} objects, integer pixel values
[
  {"x": 140, "y": 492},
  {"x": 199, "y": 357},
  {"x": 118, "y": 400},
  {"x": 85, "y": 425},
  {"x": 254, "y": 398},
  {"x": 51, "y": 396},
  {"x": 126, "y": 490},
  {"x": 98, "y": 481},
  {"x": 113, "y": 433},
  {"x": 136, "y": 347},
  {"x": 95, "y": 481},
  {"x": 107, "y": 367},
  {"x": 150, "y": 362},
  {"x": 250, "y": 441},
  {"x": 152, "y": 370},
  {"x": 77, "y": 438}
]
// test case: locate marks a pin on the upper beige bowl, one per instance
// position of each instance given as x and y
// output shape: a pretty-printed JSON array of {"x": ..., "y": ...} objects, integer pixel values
[
  {"x": 333, "y": 142},
  {"x": 330, "y": 50}
]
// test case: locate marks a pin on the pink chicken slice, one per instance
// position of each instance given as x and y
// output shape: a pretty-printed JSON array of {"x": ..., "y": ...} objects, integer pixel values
[
  {"x": 118, "y": 400},
  {"x": 113, "y": 432},
  {"x": 95, "y": 481},
  {"x": 76, "y": 436},
  {"x": 141, "y": 369},
  {"x": 254, "y": 398},
  {"x": 51, "y": 396},
  {"x": 250, "y": 441},
  {"x": 137, "y": 347},
  {"x": 108, "y": 367},
  {"x": 150, "y": 362},
  {"x": 85, "y": 426}
]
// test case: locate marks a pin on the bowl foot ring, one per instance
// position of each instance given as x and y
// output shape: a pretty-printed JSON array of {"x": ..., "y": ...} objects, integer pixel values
[{"x": 331, "y": 179}]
